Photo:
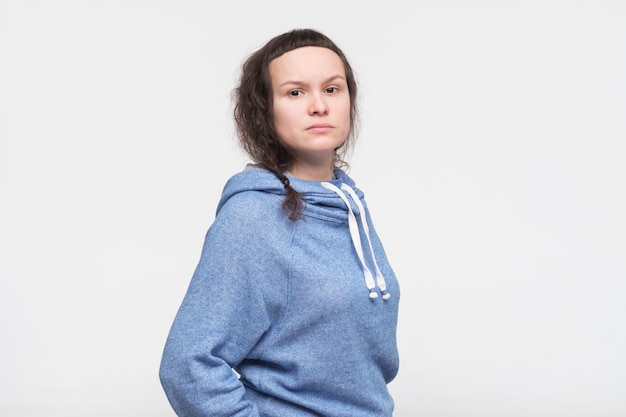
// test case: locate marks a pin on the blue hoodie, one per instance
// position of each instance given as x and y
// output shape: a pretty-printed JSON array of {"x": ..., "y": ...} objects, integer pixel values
[{"x": 303, "y": 311}]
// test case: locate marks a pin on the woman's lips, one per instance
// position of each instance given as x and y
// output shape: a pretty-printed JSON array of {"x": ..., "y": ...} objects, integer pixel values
[{"x": 319, "y": 128}]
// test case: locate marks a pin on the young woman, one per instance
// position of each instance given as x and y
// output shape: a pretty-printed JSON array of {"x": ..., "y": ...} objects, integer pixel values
[{"x": 292, "y": 308}]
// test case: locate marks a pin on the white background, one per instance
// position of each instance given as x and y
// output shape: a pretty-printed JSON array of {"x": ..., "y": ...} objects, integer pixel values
[{"x": 492, "y": 154}]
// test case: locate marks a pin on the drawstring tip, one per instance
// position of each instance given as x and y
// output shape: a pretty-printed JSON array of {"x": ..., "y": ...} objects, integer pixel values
[
  {"x": 373, "y": 293},
  {"x": 386, "y": 295}
]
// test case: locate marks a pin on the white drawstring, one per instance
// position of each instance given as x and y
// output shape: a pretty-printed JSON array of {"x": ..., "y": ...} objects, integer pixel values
[
  {"x": 356, "y": 240},
  {"x": 380, "y": 280}
]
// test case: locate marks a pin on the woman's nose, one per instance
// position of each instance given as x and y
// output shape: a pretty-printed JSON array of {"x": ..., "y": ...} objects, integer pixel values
[{"x": 318, "y": 106}]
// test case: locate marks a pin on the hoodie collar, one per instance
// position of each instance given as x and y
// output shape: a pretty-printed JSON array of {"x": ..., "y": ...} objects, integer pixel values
[{"x": 319, "y": 201}]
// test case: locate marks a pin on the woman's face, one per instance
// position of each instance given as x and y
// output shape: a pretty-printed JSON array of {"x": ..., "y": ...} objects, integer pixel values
[{"x": 311, "y": 103}]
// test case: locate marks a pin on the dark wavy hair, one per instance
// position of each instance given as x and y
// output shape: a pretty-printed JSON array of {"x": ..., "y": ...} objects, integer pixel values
[{"x": 253, "y": 111}]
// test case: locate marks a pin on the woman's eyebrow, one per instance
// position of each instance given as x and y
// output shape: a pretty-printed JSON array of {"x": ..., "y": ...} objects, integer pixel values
[{"x": 328, "y": 80}]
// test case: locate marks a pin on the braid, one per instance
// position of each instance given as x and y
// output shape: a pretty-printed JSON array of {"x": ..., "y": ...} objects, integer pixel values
[
  {"x": 283, "y": 178},
  {"x": 292, "y": 204}
]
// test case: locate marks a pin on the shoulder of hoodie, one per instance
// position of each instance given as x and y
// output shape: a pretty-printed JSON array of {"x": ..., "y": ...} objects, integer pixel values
[
  {"x": 253, "y": 210},
  {"x": 251, "y": 203},
  {"x": 250, "y": 196}
]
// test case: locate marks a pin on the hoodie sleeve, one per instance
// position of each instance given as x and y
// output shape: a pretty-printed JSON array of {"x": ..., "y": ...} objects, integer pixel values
[{"x": 227, "y": 308}]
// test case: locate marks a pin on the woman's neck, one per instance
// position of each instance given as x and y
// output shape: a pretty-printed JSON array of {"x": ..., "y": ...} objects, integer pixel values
[{"x": 312, "y": 172}]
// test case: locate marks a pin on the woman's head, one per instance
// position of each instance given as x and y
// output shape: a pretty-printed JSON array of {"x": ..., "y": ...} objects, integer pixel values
[{"x": 254, "y": 100}]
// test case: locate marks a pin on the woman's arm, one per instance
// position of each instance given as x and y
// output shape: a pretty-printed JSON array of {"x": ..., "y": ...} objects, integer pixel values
[{"x": 221, "y": 318}]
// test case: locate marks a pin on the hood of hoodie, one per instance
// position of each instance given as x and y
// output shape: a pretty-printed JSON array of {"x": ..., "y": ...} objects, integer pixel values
[
  {"x": 320, "y": 201},
  {"x": 336, "y": 200}
]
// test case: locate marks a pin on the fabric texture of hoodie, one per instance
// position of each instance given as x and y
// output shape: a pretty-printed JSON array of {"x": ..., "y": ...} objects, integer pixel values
[{"x": 303, "y": 311}]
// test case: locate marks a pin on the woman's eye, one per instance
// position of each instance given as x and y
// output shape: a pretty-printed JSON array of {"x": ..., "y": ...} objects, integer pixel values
[
  {"x": 294, "y": 93},
  {"x": 331, "y": 90}
]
